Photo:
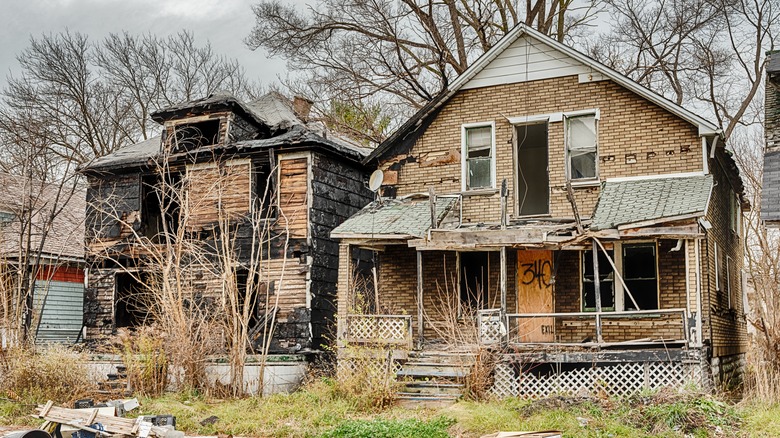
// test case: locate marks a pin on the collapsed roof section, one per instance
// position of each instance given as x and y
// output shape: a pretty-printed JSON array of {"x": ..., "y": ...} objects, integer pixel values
[{"x": 280, "y": 127}]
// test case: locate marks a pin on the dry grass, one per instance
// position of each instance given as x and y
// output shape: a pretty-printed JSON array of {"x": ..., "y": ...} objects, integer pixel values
[{"x": 54, "y": 373}]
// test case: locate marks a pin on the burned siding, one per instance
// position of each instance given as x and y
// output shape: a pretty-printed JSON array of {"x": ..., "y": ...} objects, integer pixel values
[
  {"x": 338, "y": 192},
  {"x": 113, "y": 205}
]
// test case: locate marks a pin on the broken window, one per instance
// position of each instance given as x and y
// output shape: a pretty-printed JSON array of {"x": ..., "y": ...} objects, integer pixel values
[
  {"x": 474, "y": 279},
  {"x": 478, "y": 154},
  {"x": 131, "y": 308},
  {"x": 582, "y": 147},
  {"x": 640, "y": 275},
  {"x": 194, "y": 135},
  {"x": 606, "y": 282},
  {"x": 637, "y": 265},
  {"x": 533, "y": 180},
  {"x": 160, "y": 208},
  {"x": 265, "y": 195}
]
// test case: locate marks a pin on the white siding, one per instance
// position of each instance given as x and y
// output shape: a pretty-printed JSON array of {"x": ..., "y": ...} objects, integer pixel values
[{"x": 527, "y": 59}]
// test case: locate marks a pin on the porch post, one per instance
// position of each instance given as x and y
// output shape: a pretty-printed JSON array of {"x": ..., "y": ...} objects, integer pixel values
[
  {"x": 420, "y": 324},
  {"x": 597, "y": 291},
  {"x": 504, "y": 194}
]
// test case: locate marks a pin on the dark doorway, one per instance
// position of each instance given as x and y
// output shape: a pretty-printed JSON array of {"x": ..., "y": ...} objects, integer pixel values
[
  {"x": 474, "y": 280},
  {"x": 533, "y": 179},
  {"x": 130, "y": 301}
]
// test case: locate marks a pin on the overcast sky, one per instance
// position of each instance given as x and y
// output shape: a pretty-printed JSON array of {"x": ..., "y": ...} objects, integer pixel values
[{"x": 223, "y": 22}]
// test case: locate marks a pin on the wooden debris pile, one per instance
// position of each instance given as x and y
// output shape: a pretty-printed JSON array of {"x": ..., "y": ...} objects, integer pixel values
[{"x": 111, "y": 425}]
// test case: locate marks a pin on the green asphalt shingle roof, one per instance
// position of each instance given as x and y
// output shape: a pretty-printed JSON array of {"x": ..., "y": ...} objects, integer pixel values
[
  {"x": 406, "y": 217},
  {"x": 628, "y": 202}
]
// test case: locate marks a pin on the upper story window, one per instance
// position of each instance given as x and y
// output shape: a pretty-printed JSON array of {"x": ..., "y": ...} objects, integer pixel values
[
  {"x": 188, "y": 136},
  {"x": 6, "y": 217},
  {"x": 582, "y": 146},
  {"x": 478, "y": 156},
  {"x": 735, "y": 215}
]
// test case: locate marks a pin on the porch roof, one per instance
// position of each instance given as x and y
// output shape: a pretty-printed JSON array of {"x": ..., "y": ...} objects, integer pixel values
[
  {"x": 639, "y": 201},
  {"x": 394, "y": 218}
]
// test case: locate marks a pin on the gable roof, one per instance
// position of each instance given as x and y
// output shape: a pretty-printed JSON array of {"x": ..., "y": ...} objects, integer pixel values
[
  {"x": 412, "y": 124},
  {"x": 666, "y": 198},
  {"x": 64, "y": 234}
]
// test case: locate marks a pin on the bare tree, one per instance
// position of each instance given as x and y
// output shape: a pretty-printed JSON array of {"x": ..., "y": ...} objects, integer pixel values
[
  {"x": 90, "y": 98},
  {"x": 704, "y": 53},
  {"x": 399, "y": 53}
]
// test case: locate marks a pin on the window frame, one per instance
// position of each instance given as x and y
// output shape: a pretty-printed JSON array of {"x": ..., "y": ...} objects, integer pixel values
[
  {"x": 617, "y": 288},
  {"x": 464, "y": 155},
  {"x": 567, "y": 156}
]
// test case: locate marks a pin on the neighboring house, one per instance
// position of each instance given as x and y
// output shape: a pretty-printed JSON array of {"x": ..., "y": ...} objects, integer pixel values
[
  {"x": 42, "y": 227},
  {"x": 770, "y": 188},
  {"x": 229, "y": 158},
  {"x": 589, "y": 159}
]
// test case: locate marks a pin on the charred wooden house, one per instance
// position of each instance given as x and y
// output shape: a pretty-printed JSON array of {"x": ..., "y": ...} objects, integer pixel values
[
  {"x": 551, "y": 209},
  {"x": 262, "y": 167}
]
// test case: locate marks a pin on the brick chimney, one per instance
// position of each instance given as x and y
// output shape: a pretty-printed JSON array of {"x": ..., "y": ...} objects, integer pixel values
[{"x": 302, "y": 107}]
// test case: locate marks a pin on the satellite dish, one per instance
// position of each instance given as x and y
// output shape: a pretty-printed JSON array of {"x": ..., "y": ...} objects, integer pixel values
[{"x": 375, "y": 180}]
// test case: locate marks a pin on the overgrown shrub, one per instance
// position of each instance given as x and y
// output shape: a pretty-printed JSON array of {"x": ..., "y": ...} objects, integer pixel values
[
  {"x": 53, "y": 373},
  {"x": 367, "y": 375},
  {"x": 147, "y": 364}
]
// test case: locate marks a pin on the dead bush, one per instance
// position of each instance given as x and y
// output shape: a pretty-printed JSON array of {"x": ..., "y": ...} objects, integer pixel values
[
  {"x": 144, "y": 357},
  {"x": 367, "y": 375},
  {"x": 52, "y": 373}
]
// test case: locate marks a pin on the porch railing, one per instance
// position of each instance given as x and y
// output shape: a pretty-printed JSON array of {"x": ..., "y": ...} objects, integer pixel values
[
  {"x": 583, "y": 327},
  {"x": 379, "y": 329}
]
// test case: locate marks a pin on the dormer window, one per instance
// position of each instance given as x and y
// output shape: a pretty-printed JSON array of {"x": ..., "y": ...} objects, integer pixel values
[{"x": 187, "y": 136}]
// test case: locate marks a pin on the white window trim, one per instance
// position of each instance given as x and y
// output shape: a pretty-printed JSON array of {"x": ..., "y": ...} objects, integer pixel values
[
  {"x": 464, "y": 155},
  {"x": 567, "y": 168}
]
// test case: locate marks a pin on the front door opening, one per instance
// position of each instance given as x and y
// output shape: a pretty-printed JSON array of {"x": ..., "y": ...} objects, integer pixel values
[
  {"x": 533, "y": 179},
  {"x": 474, "y": 281},
  {"x": 131, "y": 307}
]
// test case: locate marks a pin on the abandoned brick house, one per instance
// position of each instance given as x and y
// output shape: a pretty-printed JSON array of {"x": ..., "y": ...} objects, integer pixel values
[
  {"x": 535, "y": 168},
  {"x": 770, "y": 188},
  {"x": 232, "y": 159}
]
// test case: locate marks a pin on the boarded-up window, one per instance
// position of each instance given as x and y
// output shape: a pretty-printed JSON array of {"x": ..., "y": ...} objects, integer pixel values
[
  {"x": 293, "y": 193},
  {"x": 218, "y": 191}
]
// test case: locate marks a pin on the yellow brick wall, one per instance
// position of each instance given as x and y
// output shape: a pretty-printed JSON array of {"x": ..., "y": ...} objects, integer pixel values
[{"x": 628, "y": 125}]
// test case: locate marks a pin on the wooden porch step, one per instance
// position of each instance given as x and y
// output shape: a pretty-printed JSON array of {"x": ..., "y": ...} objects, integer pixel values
[
  {"x": 445, "y": 372},
  {"x": 417, "y": 401},
  {"x": 432, "y": 388}
]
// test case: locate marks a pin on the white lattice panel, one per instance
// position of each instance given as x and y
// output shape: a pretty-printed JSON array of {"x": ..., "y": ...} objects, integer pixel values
[
  {"x": 491, "y": 329},
  {"x": 619, "y": 380},
  {"x": 378, "y": 328}
]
